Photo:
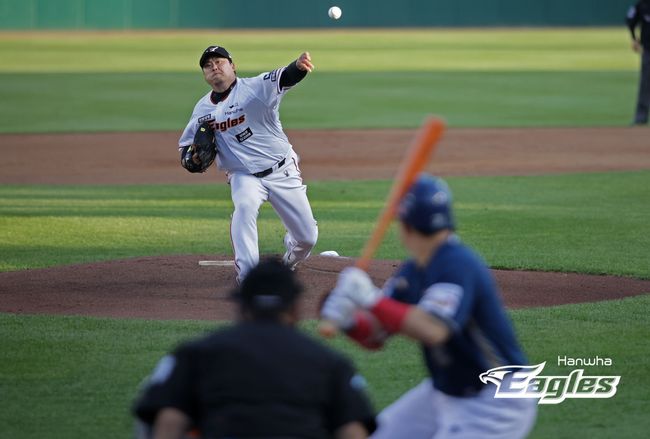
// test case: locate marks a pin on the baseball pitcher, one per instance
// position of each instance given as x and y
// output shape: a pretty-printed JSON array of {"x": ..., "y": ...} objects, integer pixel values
[{"x": 253, "y": 150}]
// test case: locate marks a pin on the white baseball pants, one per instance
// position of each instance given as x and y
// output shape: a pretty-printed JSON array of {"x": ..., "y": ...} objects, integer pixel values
[
  {"x": 288, "y": 195},
  {"x": 426, "y": 413}
]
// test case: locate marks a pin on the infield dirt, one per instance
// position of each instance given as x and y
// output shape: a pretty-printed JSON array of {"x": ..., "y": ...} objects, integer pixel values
[
  {"x": 136, "y": 158},
  {"x": 176, "y": 287}
]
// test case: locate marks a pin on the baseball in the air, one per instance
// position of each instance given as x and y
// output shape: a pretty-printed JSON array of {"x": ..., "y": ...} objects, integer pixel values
[{"x": 335, "y": 12}]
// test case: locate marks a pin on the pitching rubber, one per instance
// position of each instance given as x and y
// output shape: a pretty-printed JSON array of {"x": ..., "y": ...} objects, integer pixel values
[{"x": 217, "y": 263}]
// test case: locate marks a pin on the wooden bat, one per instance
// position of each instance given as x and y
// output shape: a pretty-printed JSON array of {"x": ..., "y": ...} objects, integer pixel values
[{"x": 414, "y": 161}]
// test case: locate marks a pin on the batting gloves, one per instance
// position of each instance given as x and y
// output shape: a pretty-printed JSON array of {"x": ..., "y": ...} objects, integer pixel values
[
  {"x": 356, "y": 285},
  {"x": 353, "y": 290},
  {"x": 339, "y": 310}
]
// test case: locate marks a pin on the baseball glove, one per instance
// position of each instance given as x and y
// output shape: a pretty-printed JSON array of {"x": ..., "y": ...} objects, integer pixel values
[{"x": 201, "y": 154}]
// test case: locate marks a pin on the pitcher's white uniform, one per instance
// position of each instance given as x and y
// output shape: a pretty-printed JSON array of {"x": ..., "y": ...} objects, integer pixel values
[{"x": 250, "y": 141}]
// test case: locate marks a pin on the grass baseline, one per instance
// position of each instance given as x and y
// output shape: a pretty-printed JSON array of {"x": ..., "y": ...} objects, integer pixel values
[
  {"x": 587, "y": 223},
  {"x": 135, "y": 81},
  {"x": 109, "y": 102},
  {"x": 92, "y": 367}
]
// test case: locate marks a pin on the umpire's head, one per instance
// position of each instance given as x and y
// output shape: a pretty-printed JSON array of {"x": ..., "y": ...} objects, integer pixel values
[{"x": 269, "y": 292}]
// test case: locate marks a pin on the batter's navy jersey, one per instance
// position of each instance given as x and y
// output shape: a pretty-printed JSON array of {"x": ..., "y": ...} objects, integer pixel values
[
  {"x": 248, "y": 131},
  {"x": 458, "y": 288}
]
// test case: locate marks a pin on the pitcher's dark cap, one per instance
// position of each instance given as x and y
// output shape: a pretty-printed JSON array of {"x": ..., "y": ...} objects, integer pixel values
[{"x": 212, "y": 51}]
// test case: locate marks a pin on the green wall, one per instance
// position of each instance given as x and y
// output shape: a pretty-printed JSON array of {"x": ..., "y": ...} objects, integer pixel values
[{"x": 163, "y": 14}]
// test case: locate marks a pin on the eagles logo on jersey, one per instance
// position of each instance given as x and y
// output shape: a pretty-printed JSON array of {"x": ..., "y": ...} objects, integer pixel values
[{"x": 229, "y": 123}]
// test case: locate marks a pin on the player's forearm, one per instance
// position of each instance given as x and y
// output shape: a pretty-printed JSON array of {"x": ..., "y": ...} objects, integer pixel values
[
  {"x": 411, "y": 321},
  {"x": 367, "y": 331},
  {"x": 291, "y": 75},
  {"x": 420, "y": 326}
]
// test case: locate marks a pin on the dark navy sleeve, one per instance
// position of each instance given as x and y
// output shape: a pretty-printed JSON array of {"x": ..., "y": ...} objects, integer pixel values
[
  {"x": 169, "y": 386},
  {"x": 402, "y": 286},
  {"x": 632, "y": 19},
  {"x": 291, "y": 75},
  {"x": 450, "y": 298}
]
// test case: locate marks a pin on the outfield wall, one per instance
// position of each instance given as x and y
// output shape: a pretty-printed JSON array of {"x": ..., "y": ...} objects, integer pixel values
[{"x": 169, "y": 14}]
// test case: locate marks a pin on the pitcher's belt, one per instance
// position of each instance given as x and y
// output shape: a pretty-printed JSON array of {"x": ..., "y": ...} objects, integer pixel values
[{"x": 266, "y": 172}]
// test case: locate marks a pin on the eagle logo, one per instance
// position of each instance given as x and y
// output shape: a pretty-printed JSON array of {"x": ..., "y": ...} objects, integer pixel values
[
  {"x": 517, "y": 377},
  {"x": 526, "y": 382}
]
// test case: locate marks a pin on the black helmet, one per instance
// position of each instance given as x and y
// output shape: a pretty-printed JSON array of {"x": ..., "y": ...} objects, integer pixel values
[
  {"x": 426, "y": 206},
  {"x": 268, "y": 289}
]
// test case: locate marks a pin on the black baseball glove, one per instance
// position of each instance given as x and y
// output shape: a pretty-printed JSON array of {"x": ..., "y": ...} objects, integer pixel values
[{"x": 201, "y": 153}]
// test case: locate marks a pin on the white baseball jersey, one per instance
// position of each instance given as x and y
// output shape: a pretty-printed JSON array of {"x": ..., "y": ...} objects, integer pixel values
[
  {"x": 250, "y": 140},
  {"x": 249, "y": 133}
]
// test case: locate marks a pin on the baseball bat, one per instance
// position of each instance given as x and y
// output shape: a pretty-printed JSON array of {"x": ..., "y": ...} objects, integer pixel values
[{"x": 412, "y": 164}]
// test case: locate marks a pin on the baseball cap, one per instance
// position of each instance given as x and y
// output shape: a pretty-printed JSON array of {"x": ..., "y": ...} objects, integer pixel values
[
  {"x": 270, "y": 287},
  {"x": 212, "y": 51},
  {"x": 426, "y": 206}
]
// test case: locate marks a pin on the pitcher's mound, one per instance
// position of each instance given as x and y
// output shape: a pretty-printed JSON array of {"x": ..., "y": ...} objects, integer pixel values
[{"x": 177, "y": 287}]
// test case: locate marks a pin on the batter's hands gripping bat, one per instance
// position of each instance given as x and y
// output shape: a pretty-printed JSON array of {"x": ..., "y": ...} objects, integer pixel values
[{"x": 416, "y": 158}]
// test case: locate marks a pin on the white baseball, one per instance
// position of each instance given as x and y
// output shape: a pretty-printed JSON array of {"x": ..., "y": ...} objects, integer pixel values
[{"x": 334, "y": 12}]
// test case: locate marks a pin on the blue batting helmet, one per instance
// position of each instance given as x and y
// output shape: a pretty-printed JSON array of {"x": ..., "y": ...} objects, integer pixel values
[{"x": 426, "y": 206}]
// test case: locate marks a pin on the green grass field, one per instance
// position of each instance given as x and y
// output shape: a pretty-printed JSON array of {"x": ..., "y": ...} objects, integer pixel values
[
  {"x": 579, "y": 49},
  {"x": 52, "y": 367},
  {"x": 150, "y": 81},
  {"x": 538, "y": 223}
]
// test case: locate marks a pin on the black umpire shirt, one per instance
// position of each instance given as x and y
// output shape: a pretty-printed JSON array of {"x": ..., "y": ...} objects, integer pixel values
[
  {"x": 258, "y": 379},
  {"x": 640, "y": 13}
]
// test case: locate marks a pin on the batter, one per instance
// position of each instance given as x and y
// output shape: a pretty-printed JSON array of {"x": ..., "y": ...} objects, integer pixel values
[
  {"x": 256, "y": 155},
  {"x": 445, "y": 298}
]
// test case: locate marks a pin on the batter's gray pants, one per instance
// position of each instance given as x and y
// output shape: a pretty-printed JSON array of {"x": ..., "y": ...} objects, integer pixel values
[{"x": 643, "y": 100}]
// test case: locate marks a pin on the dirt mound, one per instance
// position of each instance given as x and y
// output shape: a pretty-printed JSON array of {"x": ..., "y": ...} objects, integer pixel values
[
  {"x": 134, "y": 158},
  {"x": 179, "y": 288}
]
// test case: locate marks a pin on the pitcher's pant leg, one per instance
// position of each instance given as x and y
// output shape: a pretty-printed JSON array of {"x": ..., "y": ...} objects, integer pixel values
[
  {"x": 288, "y": 196},
  {"x": 247, "y": 194}
]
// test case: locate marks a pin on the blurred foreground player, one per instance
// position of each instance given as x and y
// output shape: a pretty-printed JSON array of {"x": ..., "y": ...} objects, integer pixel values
[
  {"x": 260, "y": 378},
  {"x": 445, "y": 298}
]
